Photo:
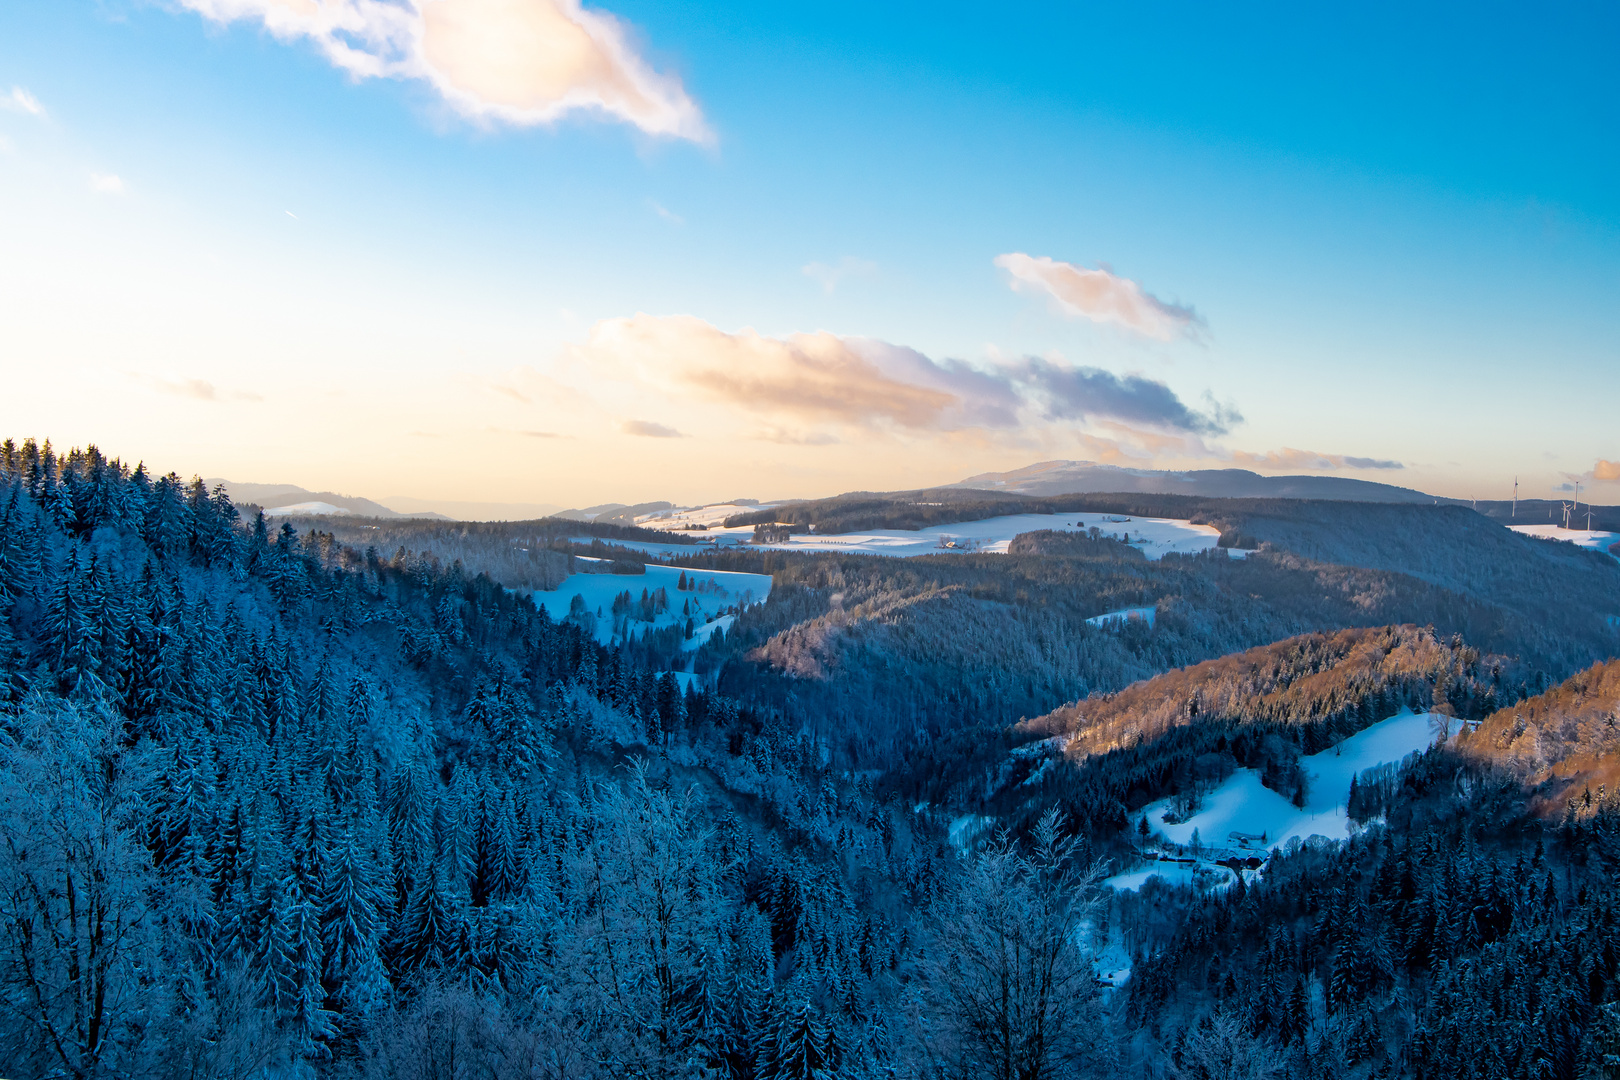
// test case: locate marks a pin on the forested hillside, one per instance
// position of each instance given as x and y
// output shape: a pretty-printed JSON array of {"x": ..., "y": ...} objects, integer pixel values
[
  {"x": 920, "y": 664},
  {"x": 1183, "y": 732},
  {"x": 275, "y": 804},
  {"x": 1563, "y": 743}
]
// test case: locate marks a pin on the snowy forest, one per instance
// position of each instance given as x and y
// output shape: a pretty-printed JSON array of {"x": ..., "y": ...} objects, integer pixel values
[{"x": 277, "y": 803}]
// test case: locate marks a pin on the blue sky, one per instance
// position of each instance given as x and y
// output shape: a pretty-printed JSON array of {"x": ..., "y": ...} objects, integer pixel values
[{"x": 1378, "y": 235}]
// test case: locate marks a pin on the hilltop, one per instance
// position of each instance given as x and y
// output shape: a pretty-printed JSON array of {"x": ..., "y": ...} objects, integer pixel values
[{"x": 1083, "y": 477}]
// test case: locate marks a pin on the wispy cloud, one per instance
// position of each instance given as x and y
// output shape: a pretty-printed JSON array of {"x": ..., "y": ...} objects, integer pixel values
[
  {"x": 664, "y": 212},
  {"x": 1101, "y": 296},
  {"x": 787, "y": 437},
  {"x": 514, "y": 61},
  {"x": 1606, "y": 470},
  {"x": 648, "y": 429},
  {"x": 830, "y": 276},
  {"x": 822, "y": 378},
  {"x": 106, "y": 183},
  {"x": 201, "y": 389},
  {"x": 20, "y": 100},
  {"x": 1290, "y": 458},
  {"x": 196, "y": 389}
]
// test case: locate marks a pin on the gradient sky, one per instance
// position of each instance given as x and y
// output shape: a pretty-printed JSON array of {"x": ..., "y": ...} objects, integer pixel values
[{"x": 519, "y": 250}]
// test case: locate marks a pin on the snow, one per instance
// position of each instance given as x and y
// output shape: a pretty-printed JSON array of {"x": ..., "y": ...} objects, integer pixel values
[
  {"x": 718, "y": 591},
  {"x": 315, "y": 508},
  {"x": 708, "y": 516},
  {"x": 1154, "y": 537},
  {"x": 961, "y": 832},
  {"x": 1242, "y": 804},
  {"x": 702, "y": 634},
  {"x": 1591, "y": 539},
  {"x": 657, "y": 550},
  {"x": 1198, "y": 875},
  {"x": 1114, "y": 617}
]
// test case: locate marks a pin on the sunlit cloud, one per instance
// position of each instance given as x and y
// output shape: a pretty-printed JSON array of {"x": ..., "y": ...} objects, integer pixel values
[
  {"x": 1067, "y": 392},
  {"x": 1101, "y": 296},
  {"x": 106, "y": 183},
  {"x": 788, "y": 437},
  {"x": 1290, "y": 458},
  {"x": 1606, "y": 470},
  {"x": 808, "y": 381},
  {"x": 649, "y": 430},
  {"x": 830, "y": 276},
  {"x": 20, "y": 100},
  {"x": 520, "y": 62}
]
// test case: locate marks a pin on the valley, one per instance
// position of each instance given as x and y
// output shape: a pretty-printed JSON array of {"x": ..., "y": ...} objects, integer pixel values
[{"x": 1330, "y": 763}]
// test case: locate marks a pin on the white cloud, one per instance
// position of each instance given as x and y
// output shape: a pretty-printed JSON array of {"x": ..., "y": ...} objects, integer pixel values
[
  {"x": 1606, "y": 470},
  {"x": 514, "y": 61},
  {"x": 787, "y": 382},
  {"x": 195, "y": 389},
  {"x": 1100, "y": 296},
  {"x": 650, "y": 430},
  {"x": 1290, "y": 458},
  {"x": 20, "y": 100},
  {"x": 106, "y": 183},
  {"x": 848, "y": 266}
]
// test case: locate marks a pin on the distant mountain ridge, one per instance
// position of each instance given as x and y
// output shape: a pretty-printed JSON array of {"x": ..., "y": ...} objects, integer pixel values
[
  {"x": 1086, "y": 477},
  {"x": 278, "y": 496},
  {"x": 292, "y": 499}
]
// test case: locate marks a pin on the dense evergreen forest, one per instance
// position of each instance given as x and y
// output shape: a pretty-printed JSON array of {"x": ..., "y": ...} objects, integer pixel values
[{"x": 283, "y": 804}]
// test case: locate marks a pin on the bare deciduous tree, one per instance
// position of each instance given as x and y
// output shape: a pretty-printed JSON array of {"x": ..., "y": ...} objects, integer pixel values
[
  {"x": 1219, "y": 1048},
  {"x": 1010, "y": 977},
  {"x": 80, "y": 975}
]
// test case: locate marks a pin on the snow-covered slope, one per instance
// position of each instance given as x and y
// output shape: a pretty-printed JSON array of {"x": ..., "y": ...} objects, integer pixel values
[
  {"x": 1591, "y": 539},
  {"x": 312, "y": 508},
  {"x": 716, "y": 592},
  {"x": 1155, "y": 537},
  {"x": 1265, "y": 819},
  {"x": 1116, "y": 617}
]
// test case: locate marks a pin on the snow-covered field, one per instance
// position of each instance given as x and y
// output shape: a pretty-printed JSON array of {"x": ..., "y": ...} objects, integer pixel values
[
  {"x": 659, "y": 551},
  {"x": 1201, "y": 875},
  {"x": 311, "y": 508},
  {"x": 1593, "y": 539},
  {"x": 1145, "y": 613},
  {"x": 1155, "y": 537},
  {"x": 707, "y": 516},
  {"x": 1242, "y": 804},
  {"x": 717, "y": 592}
]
